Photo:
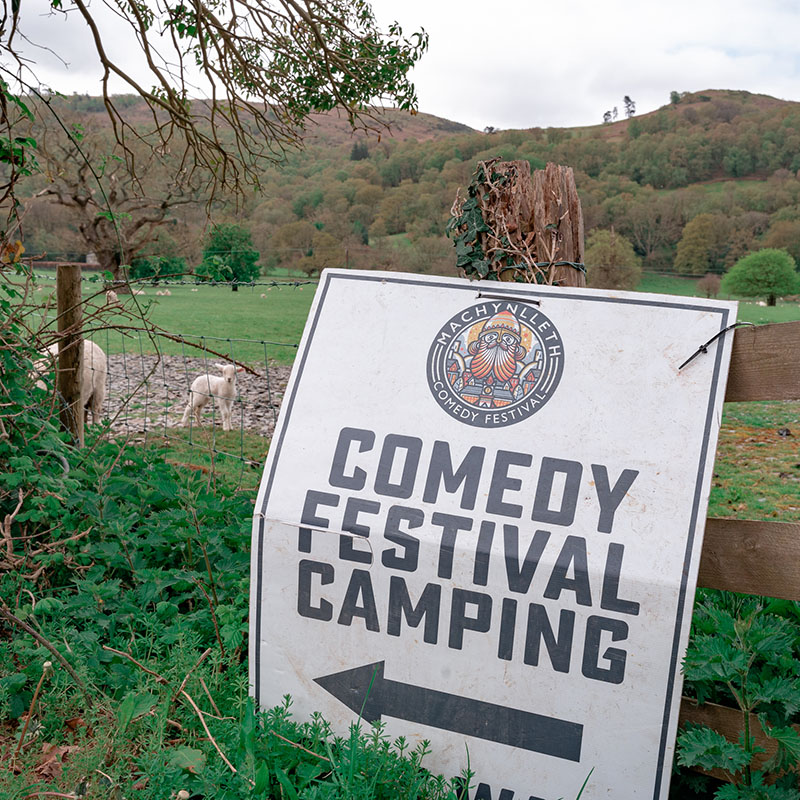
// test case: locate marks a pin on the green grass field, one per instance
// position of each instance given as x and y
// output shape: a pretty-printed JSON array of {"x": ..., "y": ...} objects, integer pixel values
[
  {"x": 217, "y": 317},
  {"x": 749, "y": 310},
  {"x": 214, "y": 316},
  {"x": 757, "y": 470}
]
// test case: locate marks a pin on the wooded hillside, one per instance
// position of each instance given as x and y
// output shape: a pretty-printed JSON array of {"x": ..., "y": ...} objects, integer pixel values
[{"x": 694, "y": 186}]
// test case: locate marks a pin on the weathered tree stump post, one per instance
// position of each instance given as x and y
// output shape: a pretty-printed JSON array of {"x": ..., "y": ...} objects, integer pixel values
[
  {"x": 557, "y": 222},
  {"x": 69, "y": 370},
  {"x": 518, "y": 226}
]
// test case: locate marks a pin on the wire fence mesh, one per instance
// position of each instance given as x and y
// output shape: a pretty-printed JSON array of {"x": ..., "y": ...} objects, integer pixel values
[
  {"x": 140, "y": 385},
  {"x": 148, "y": 397}
]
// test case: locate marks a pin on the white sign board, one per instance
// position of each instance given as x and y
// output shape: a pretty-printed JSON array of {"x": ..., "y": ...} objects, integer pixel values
[{"x": 522, "y": 475}]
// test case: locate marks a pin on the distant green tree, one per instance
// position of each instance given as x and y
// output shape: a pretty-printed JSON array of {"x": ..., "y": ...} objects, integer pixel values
[
  {"x": 630, "y": 106},
  {"x": 360, "y": 232},
  {"x": 359, "y": 152},
  {"x": 737, "y": 162},
  {"x": 611, "y": 262},
  {"x": 784, "y": 234},
  {"x": 305, "y": 203},
  {"x": 674, "y": 97},
  {"x": 709, "y": 284},
  {"x": 703, "y": 245},
  {"x": 766, "y": 273},
  {"x": 158, "y": 267},
  {"x": 229, "y": 255},
  {"x": 326, "y": 251}
]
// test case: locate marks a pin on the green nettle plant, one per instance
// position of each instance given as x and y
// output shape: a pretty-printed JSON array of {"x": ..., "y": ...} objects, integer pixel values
[
  {"x": 744, "y": 653},
  {"x": 124, "y": 593}
]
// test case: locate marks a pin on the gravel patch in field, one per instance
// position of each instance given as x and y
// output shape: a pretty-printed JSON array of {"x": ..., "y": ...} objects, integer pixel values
[{"x": 143, "y": 392}]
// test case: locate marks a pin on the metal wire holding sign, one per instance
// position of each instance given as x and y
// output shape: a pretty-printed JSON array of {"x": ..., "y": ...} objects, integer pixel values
[
  {"x": 511, "y": 297},
  {"x": 704, "y": 347}
]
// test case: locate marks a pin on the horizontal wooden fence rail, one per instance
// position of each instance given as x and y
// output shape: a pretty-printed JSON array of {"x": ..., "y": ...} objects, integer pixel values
[
  {"x": 749, "y": 556},
  {"x": 765, "y": 363},
  {"x": 752, "y": 557}
]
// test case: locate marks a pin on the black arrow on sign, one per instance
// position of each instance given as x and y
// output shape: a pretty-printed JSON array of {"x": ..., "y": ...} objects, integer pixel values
[{"x": 365, "y": 691}]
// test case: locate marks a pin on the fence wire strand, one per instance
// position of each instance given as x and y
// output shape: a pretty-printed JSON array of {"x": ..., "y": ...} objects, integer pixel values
[{"x": 148, "y": 393}]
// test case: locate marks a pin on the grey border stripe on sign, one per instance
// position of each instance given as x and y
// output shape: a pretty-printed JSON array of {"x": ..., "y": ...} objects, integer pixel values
[{"x": 575, "y": 295}]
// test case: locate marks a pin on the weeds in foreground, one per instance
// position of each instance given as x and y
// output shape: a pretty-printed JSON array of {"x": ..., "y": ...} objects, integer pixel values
[
  {"x": 148, "y": 611},
  {"x": 129, "y": 576}
]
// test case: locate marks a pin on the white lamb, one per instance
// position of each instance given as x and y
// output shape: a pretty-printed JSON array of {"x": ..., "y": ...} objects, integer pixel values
[
  {"x": 111, "y": 298},
  {"x": 221, "y": 388},
  {"x": 93, "y": 376}
]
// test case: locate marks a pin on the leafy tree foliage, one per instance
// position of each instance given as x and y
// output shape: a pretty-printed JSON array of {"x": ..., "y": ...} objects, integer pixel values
[
  {"x": 702, "y": 244},
  {"x": 292, "y": 241},
  {"x": 634, "y": 129},
  {"x": 630, "y": 106},
  {"x": 359, "y": 152},
  {"x": 229, "y": 255},
  {"x": 267, "y": 67},
  {"x": 653, "y": 223},
  {"x": 738, "y": 162},
  {"x": 766, "y": 273},
  {"x": 156, "y": 267},
  {"x": 784, "y": 234},
  {"x": 116, "y": 214},
  {"x": 361, "y": 232},
  {"x": 326, "y": 252},
  {"x": 709, "y": 284},
  {"x": 611, "y": 262}
]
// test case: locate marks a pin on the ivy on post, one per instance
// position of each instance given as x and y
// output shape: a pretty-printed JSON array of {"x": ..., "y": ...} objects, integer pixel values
[{"x": 518, "y": 226}]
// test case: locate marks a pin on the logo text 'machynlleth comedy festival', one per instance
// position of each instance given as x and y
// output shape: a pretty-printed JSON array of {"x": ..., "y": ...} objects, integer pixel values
[{"x": 495, "y": 363}]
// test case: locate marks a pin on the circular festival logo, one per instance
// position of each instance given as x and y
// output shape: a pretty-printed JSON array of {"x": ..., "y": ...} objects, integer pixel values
[{"x": 495, "y": 364}]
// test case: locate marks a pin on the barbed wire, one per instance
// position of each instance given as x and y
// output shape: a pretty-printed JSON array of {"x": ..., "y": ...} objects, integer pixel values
[
  {"x": 148, "y": 395},
  {"x": 156, "y": 281}
]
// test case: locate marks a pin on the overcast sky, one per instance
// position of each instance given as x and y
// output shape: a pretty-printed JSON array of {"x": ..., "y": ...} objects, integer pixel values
[{"x": 518, "y": 64}]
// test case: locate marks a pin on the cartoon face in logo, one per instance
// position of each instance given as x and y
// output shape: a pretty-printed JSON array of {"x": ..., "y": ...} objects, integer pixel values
[{"x": 495, "y": 364}]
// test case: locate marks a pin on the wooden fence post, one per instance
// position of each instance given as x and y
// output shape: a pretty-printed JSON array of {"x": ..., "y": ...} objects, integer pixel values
[
  {"x": 69, "y": 371},
  {"x": 536, "y": 217},
  {"x": 558, "y": 221}
]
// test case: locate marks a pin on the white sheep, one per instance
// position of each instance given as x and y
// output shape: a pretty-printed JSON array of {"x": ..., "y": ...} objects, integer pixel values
[
  {"x": 262, "y": 294},
  {"x": 111, "y": 298},
  {"x": 93, "y": 376},
  {"x": 221, "y": 388},
  {"x": 167, "y": 293},
  {"x": 194, "y": 290},
  {"x": 159, "y": 294}
]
